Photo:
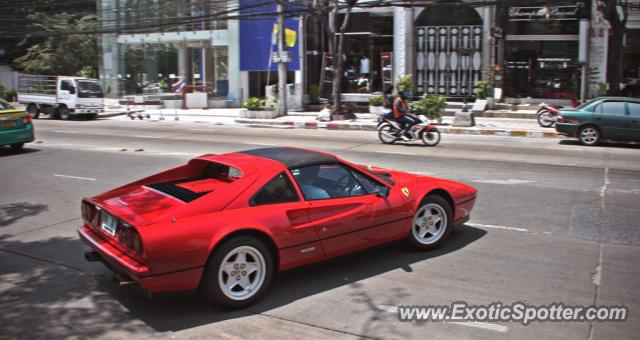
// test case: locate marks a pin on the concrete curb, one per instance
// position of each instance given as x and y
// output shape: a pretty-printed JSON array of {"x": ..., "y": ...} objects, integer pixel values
[{"x": 270, "y": 123}]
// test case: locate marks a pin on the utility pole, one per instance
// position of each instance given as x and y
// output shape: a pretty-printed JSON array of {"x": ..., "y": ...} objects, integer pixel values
[{"x": 282, "y": 60}]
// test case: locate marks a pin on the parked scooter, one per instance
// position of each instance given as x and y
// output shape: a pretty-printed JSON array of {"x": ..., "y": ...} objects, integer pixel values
[
  {"x": 548, "y": 114},
  {"x": 389, "y": 130}
]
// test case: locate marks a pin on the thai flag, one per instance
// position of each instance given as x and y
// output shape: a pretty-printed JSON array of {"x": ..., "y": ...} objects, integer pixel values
[{"x": 177, "y": 86}]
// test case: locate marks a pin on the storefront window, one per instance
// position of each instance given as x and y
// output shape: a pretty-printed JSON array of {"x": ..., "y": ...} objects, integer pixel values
[
  {"x": 369, "y": 35},
  {"x": 542, "y": 69}
]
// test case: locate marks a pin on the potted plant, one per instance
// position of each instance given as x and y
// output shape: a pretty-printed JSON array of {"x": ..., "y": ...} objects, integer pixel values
[
  {"x": 256, "y": 108},
  {"x": 314, "y": 93},
  {"x": 482, "y": 90},
  {"x": 430, "y": 105},
  {"x": 405, "y": 83},
  {"x": 376, "y": 104}
]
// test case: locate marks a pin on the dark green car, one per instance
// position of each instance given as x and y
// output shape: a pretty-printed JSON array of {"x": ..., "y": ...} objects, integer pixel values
[
  {"x": 612, "y": 118},
  {"x": 15, "y": 126}
]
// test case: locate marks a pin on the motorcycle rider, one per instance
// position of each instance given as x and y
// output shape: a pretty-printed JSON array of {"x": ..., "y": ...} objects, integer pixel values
[{"x": 400, "y": 110}]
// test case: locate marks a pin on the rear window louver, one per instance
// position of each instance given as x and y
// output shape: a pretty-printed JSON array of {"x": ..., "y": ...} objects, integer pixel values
[{"x": 172, "y": 189}]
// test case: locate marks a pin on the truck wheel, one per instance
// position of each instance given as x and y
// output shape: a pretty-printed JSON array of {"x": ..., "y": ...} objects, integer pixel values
[
  {"x": 32, "y": 109},
  {"x": 64, "y": 113}
]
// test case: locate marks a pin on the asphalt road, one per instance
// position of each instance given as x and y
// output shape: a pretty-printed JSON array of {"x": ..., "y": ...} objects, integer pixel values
[{"x": 554, "y": 222}]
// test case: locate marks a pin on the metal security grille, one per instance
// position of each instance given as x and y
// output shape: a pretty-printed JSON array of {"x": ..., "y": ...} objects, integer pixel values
[{"x": 448, "y": 60}]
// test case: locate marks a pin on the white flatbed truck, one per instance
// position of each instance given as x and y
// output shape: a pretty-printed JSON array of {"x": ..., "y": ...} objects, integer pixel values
[{"x": 61, "y": 97}]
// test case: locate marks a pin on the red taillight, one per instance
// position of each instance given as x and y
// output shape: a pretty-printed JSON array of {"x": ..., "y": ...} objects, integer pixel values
[
  {"x": 130, "y": 238},
  {"x": 88, "y": 213},
  {"x": 561, "y": 119},
  {"x": 26, "y": 120}
]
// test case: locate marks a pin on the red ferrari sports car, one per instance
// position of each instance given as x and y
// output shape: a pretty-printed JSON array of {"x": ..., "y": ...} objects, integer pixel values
[{"x": 225, "y": 224}]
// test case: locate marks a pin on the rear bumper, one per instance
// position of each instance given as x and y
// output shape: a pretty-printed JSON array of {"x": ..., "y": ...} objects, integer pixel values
[
  {"x": 15, "y": 136},
  {"x": 127, "y": 269},
  {"x": 570, "y": 130},
  {"x": 88, "y": 110}
]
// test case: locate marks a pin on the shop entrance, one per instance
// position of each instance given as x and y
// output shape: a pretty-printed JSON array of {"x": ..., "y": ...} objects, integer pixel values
[{"x": 448, "y": 51}]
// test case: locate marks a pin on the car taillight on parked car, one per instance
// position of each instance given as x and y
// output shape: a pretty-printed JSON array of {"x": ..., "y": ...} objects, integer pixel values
[
  {"x": 26, "y": 120},
  {"x": 130, "y": 238},
  {"x": 561, "y": 119}
]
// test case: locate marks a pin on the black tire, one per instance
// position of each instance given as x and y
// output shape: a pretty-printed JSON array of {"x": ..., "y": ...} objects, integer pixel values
[
  {"x": 414, "y": 241},
  {"x": 430, "y": 138},
  {"x": 63, "y": 113},
  {"x": 386, "y": 128},
  {"x": 91, "y": 116},
  {"x": 589, "y": 135},
  {"x": 210, "y": 283},
  {"x": 32, "y": 109},
  {"x": 542, "y": 114},
  {"x": 17, "y": 147}
]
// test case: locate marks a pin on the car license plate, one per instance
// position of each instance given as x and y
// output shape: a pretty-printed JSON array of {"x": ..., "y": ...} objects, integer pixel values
[
  {"x": 8, "y": 124},
  {"x": 109, "y": 223}
]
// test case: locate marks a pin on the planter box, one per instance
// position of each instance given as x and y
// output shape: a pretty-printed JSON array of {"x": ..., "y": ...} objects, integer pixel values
[{"x": 259, "y": 114}]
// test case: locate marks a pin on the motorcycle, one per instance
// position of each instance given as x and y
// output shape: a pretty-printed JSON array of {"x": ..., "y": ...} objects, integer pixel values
[
  {"x": 389, "y": 130},
  {"x": 548, "y": 114}
]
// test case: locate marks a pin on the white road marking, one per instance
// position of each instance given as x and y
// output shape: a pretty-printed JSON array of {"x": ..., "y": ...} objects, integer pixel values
[
  {"x": 60, "y": 131},
  {"x": 147, "y": 136},
  {"x": 503, "y": 181},
  {"x": 396, "y": 153},
  {"x": 75, "y": 177},
  {"x": 208, "y": 130},
  {"x": 483, "y": 325},
  {"x": 489, "y": 226},
  {"x": 604, "y": 186},
  {"x": 309, "y": 134},
  {"x": 597, "y": 277}
]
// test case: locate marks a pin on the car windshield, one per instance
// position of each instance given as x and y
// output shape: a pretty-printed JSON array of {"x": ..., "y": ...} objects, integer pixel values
[
  {"x": 91, "y": 88},
  {"x": 5, "y": 106}
]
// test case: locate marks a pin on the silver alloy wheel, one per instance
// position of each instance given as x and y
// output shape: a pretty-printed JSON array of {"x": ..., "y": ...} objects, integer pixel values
[
  {"x": 429, "y": 223},
  {"x": 241, "y": 273},
  {"x": 589, "y": 135}
]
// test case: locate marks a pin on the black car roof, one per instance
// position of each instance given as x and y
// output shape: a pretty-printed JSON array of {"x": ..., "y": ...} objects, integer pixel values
[{"x": 292, "y": 157}]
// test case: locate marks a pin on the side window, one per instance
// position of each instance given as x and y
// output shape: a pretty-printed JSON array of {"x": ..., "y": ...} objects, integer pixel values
[
  {"x": 634, "y": 109},
  {"x": 327, "y": 181},
  {"x": 613, "y": 108},
  {"x": 369, "y": 185},
  {"x": 65, "y": 85},
  {"x": 278, "y": 190}
]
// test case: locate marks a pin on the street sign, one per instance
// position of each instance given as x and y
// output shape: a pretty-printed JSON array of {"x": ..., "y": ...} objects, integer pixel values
[{"x": 285, "y": 57}]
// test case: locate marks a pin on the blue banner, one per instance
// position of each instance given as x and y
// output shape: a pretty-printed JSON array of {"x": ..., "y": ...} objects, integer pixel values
[{"x": 255, "y": 36}]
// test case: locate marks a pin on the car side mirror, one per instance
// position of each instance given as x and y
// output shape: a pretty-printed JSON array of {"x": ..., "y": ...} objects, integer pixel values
[{"x": 383, "y": 192}]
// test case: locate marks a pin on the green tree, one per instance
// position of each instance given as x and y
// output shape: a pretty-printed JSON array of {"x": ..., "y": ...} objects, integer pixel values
[{"x": 60, "y": 53}]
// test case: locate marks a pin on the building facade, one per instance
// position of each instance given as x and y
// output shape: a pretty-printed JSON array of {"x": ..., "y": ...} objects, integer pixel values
[{"x": 525, "y": 50}]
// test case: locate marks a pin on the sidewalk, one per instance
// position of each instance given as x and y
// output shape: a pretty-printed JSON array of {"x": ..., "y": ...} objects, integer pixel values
[{"x": 365, "y": 122}]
